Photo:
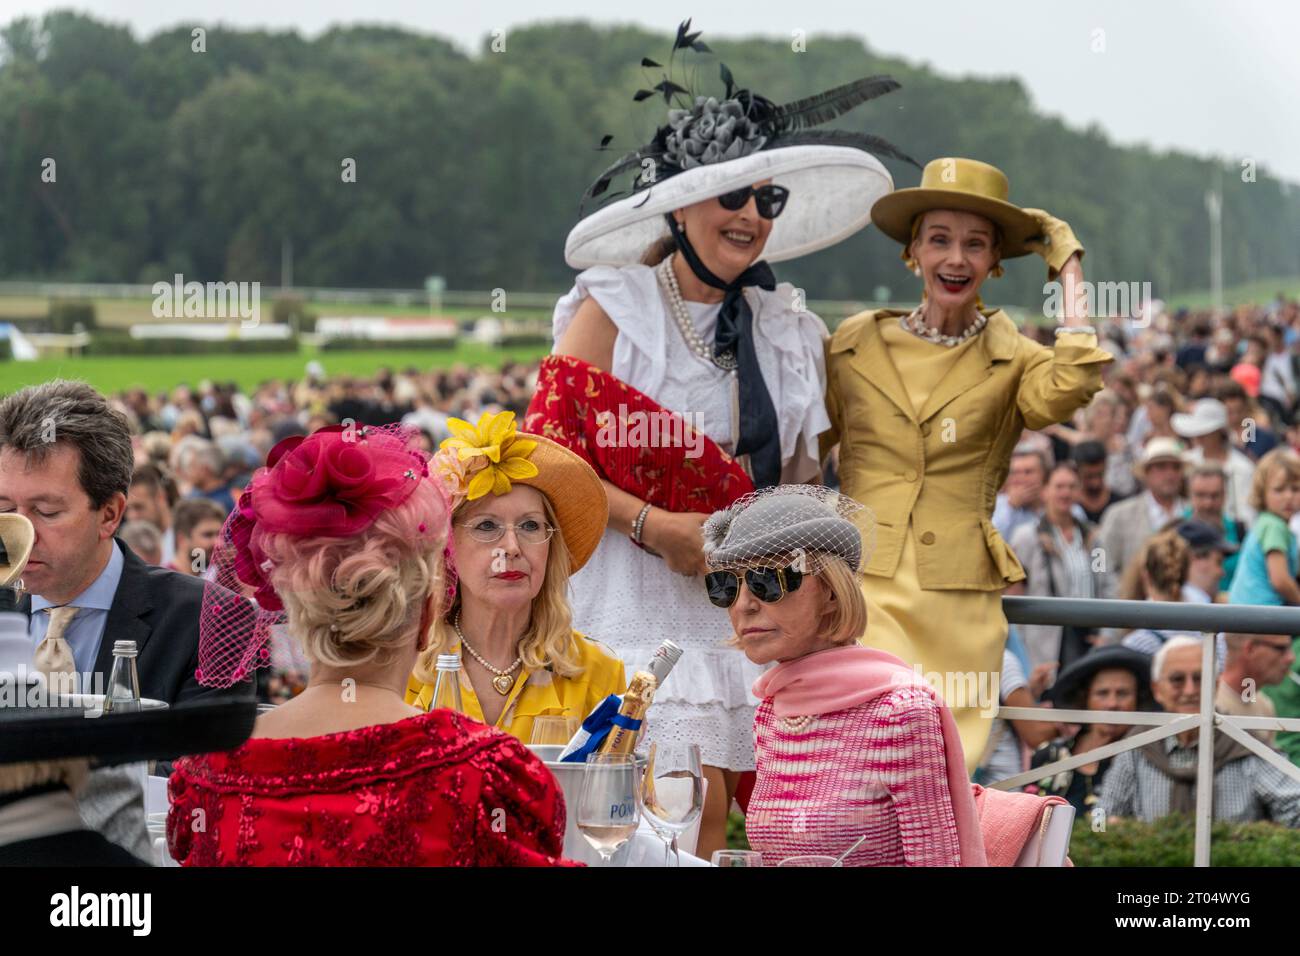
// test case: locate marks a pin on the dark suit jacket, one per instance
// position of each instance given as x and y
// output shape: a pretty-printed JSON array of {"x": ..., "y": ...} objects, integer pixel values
[{"x": 159, "y": 610}]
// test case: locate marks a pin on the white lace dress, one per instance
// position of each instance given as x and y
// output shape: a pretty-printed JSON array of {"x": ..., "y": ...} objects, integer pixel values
[{"x": 630, "y": 599}]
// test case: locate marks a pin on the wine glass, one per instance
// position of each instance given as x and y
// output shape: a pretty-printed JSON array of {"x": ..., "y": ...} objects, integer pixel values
[
  {"x": 672, "y": 792},
  {"x": 724, "y": 858},
  {"x": 608, "y": 809},
  {"x": 553, "y": 730}
]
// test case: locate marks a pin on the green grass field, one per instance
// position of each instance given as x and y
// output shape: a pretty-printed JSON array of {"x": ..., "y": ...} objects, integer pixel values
[
  {"x": 1260, "y": 292},
  {"x": 112, "y": 373}
]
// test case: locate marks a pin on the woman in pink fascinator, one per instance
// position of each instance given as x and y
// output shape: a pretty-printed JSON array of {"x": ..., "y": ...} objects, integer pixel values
[{"x": 340, "y": 540}]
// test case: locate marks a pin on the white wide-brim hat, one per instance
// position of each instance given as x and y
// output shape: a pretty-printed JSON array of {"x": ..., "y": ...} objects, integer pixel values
[
  {"x": 1208, "y": 416},
  {"x": 832, "y": 190}
]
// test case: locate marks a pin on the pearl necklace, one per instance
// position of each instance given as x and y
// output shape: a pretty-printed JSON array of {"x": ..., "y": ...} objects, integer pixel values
[
  {"x": 916, "y": 325},
  {"x": 682, "y": 316},
  {"x": 503, "y": 681}
]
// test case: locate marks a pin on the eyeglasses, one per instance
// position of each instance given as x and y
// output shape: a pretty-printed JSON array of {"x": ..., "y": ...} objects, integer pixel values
[
  {"x": 769, "y": 585},
  {"x": 1179, "y": 679},
  {"x": 489, "y": 530},
  {"x": 1280, "y": 647},
  {"x": 769, "y": 200}
]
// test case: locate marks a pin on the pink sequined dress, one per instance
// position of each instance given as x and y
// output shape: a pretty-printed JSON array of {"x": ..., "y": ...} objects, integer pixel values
[{"x": 438, "y": 789}]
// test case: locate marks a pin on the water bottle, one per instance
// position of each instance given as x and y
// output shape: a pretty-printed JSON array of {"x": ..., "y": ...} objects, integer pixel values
[
  {"x": 123, "y": 695},
  {"x": 446, "y": 691}
]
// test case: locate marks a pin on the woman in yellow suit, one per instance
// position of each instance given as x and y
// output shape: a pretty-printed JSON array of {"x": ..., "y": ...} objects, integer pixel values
[
  {"x": 526, "y": 513},
  {"x": 927, "y": 405}
]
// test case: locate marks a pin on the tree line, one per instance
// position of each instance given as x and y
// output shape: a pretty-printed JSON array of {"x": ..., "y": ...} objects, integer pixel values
[{"x": 382, "y": 156}]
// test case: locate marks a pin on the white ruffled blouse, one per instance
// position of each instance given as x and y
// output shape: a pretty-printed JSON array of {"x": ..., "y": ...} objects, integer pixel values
[
  {"x": 651, "y": 355},
  {"x": 630, "y": 599}
]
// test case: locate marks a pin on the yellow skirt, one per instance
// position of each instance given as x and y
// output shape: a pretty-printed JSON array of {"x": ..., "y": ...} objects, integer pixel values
[{"x": 956, "y": 638}]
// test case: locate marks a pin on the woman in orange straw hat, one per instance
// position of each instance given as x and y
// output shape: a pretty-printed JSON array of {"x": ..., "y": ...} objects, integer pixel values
[
  {"x": 527, "y": 513},
  {"x": 927, "y": 404}
]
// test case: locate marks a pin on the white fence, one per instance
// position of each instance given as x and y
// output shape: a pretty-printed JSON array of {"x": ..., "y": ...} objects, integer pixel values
[{"x": 1209, "y": 619}]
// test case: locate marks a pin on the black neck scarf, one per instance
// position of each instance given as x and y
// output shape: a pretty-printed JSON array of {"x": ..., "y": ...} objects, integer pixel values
[{"x": 759, "y": 436}]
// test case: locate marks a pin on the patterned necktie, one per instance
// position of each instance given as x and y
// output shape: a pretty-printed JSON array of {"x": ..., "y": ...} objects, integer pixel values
[{"x": 54, "y": 653}]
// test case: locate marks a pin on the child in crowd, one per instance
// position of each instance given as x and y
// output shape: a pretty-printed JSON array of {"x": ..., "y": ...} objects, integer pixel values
[{"x": 1266, "y": 570}]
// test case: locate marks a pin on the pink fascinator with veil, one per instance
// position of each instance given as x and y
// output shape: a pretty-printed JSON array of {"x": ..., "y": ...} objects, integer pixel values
[{"x": 332, "y": 484}]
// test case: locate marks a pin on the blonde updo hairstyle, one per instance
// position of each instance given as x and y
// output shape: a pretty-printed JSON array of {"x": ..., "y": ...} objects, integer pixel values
[{"x": 357, "y": 600}]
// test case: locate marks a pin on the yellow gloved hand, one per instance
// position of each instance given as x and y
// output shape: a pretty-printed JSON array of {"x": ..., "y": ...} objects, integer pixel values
[{"x": 1057, "y": 243}]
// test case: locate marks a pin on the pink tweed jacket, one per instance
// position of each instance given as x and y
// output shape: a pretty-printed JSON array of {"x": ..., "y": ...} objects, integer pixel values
[{"x": 877, "y": 768}]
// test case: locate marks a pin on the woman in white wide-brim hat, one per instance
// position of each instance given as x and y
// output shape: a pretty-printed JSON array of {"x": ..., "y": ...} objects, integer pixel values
[{"x": 689, "y": 377}]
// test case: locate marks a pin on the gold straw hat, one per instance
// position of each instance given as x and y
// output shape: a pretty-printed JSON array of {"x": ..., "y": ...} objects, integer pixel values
[
  {"x": 493, "y": 457},
  {"x": 966, "y": 185}
]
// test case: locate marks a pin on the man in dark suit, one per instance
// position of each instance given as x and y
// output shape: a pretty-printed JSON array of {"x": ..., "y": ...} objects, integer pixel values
[{"x": 66, "y": 463}]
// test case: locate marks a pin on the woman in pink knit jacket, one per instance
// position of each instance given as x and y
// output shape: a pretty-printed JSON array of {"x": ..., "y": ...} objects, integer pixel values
[{"x": 848, "y": 740}]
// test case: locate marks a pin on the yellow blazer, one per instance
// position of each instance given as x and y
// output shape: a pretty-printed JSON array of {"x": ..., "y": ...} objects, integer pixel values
[
  {"x": 941, "y": 468},
  {"x": 540, "y": 692}
]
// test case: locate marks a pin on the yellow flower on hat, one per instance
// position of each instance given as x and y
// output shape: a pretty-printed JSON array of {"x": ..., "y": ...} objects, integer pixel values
[{"x": 485, "y": 457}]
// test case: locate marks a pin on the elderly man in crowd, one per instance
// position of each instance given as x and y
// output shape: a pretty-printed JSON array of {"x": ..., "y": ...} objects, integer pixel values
[
  {"x": 1160, "y": 778},
  {"x": 200, "y": 464},
  {"x": 1255, "y": 661},
  {"x": 1126, "y": 526}
]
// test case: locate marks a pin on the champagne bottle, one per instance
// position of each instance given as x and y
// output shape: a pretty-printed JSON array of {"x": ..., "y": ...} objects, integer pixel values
[
  {"x": 665, "y": 658},
  {"x": 640, "y": 692}
]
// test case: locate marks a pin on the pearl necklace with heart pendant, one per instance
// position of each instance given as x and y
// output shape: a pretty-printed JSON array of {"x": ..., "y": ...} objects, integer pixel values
[{"x": 503, "y": 680}]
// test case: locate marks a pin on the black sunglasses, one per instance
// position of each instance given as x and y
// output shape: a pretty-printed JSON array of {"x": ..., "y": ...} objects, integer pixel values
[
  {"x": 769, "y": 585},
  {"x": 769, "y": 200}
]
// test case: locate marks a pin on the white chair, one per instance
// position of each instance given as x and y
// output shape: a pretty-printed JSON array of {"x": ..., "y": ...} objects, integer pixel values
[
  {"x": 155, "y": 795},
  {"x": 1051, "y": 842}
]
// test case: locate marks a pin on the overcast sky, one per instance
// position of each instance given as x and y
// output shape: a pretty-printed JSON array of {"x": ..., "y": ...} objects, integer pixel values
[{"x": 1209, "y": 77}]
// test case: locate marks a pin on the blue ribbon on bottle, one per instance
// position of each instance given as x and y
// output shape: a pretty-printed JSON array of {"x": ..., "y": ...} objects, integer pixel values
[{"x": 598, "y": 725}]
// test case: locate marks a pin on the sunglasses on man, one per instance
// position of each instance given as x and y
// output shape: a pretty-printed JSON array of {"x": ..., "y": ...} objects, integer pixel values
[
  {"x": 769, "y": 200},
  {"x": 769, "y": 585}
]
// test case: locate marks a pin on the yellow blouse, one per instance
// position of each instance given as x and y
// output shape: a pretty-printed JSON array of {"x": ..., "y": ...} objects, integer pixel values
[{"x": 539, "y": 692}]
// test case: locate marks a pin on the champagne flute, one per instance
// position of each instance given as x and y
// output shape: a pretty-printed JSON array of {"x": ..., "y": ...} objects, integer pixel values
[
  {"x": 672, "y": 792},
  {"x": 551, "y": 730},
  {"x": 608, "y": 809}
]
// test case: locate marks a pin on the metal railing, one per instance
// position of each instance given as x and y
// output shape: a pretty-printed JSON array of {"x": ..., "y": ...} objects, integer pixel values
[{"x": 1207, "y": 619}]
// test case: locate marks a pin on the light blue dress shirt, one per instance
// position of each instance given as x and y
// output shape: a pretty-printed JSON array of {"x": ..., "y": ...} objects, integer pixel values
[{"x": 86, "y": 630}]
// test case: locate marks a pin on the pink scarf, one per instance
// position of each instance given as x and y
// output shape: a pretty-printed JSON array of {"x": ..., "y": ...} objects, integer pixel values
[{"x": 844, "y": 677}]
